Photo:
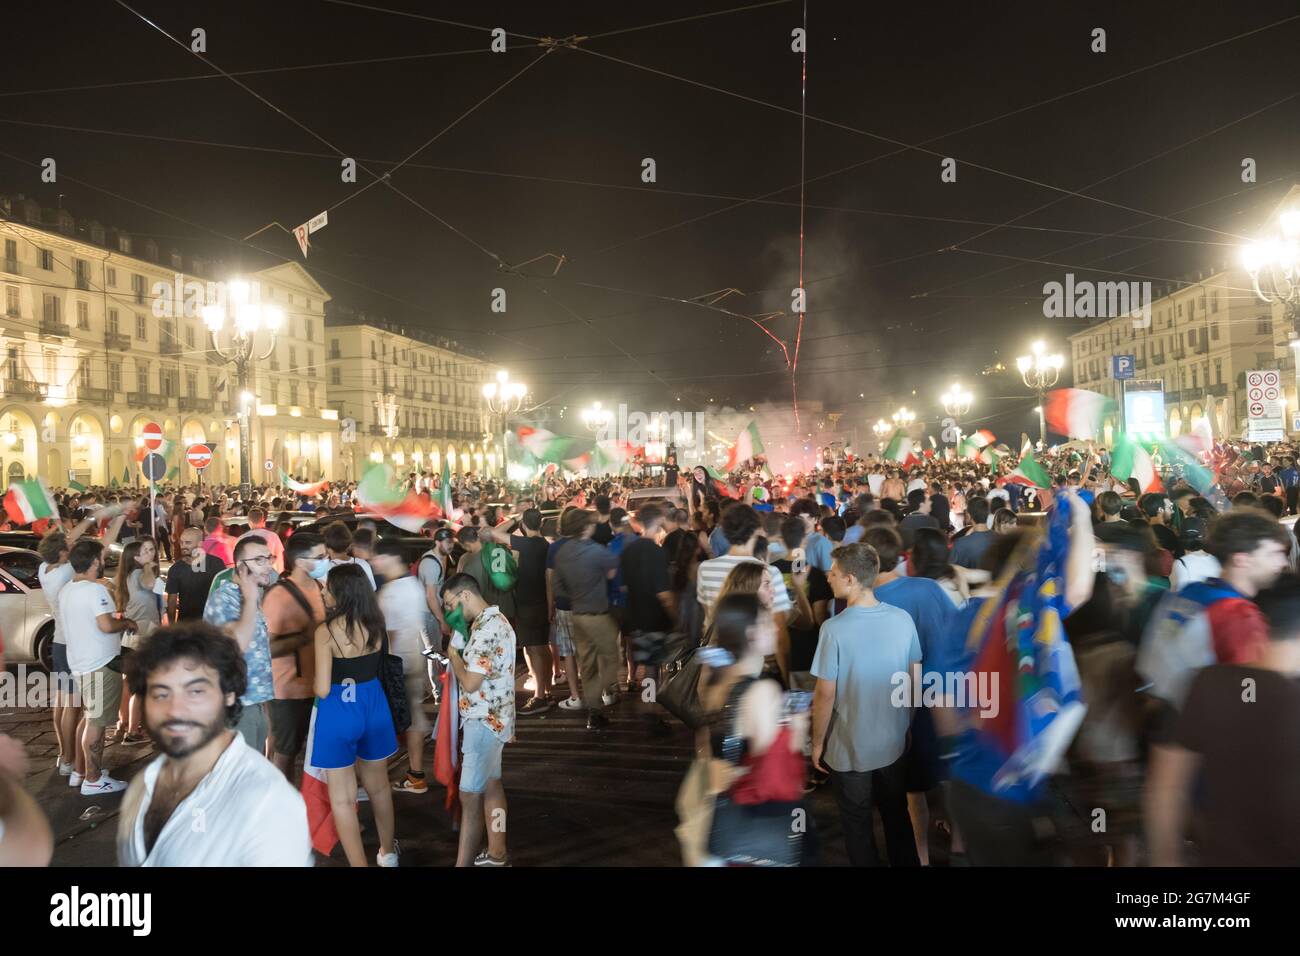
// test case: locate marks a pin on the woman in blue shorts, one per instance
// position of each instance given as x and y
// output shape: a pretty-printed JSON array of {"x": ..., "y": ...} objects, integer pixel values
[{"x": 353, "y": 734}]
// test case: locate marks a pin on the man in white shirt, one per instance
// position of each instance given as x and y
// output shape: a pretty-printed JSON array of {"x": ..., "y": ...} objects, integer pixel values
[
  {"x": 94, "y": 639},
  {"x": 402, "y": 601},
  {"x": 208, "y": 799},
  {"x": 338, "y": 545}
]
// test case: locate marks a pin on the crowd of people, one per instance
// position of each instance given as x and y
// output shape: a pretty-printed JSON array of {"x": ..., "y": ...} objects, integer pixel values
[{"x": 791, "y": 622}]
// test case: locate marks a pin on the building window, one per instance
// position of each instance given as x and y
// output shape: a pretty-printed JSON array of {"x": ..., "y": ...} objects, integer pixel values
[
  {"x": 311, "y": 363},
  {"x": 191, "y": 384},
  {"x": 11, "y": 255},
  {"x": 293, "y": 391},
  {"x": 1214, "y": 331},
  {"x": 1264, "y": 325},
  {"x": 11, "y": 301},
  {"x": 311, "y": 396},
  {"x": 336, "y": 376},
  {"x": 1218, "y": 371},
  {"x": 47, "y": 260},
  {"x": 141, "y": 330},
  {"x": 168, "y": 382},
  {"x": 83, "y": 315},
  {"x": 110, "y": 277},
  {"x": 137, "y": 286},
  {"x": 50, "y": 311},
  {"x": 83, "y": 374},
  {"x": 374, "y": 378},
  {"x": 1214, "y": 301},
  {"x": 189, "y": 336},
  {"x": 1195, "y": 383},
  {"x": 373, "y": 353},
  {"x": 142, "y": 378},
  {"x": 115, "y": 376},
  {"x": 311, "y": 331},
  {"x": 112, "y": 321}
]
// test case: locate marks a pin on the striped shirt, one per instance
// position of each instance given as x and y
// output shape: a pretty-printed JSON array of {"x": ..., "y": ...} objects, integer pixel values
[{"x": 714, "y": 572}]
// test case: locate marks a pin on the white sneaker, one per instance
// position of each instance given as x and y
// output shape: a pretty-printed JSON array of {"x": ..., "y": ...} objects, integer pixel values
[
  {"x": 388, "y": 859},
  {"x": 362, "y": 796},
  {"x": 66, "y": 769},
  {"x": 608, "y": 699},
  {"x": 104, "y": 785},
  {"x": 74, "y": 779},
  {"x": 571, "y": 703}
]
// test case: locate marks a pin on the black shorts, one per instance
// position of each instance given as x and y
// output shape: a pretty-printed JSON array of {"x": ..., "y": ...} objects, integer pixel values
[
  {"x": 922, "y": 767},
  {"x": 290, "y": 720},
  {"x": 532, "y": 625},
  {"x": 59, "y": 653}
]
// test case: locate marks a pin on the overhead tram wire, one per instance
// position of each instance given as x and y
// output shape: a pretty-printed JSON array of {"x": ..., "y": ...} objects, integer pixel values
[
  {"x": 649, "y": 190},
  {"x": 906, "y": 146},
  {"x": 369, "y": 61},
  {"x": 803, "y": 154}
]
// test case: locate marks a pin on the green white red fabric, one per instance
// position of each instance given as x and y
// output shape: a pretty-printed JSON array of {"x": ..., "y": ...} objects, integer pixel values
[
  {"x": 381, "y": 496},
  {"x": 900, "y": 448},
  {"x": 1128, "y": 460},
  {"x": 28, "y": 501},
  {"x": 310, "y": 489},
  {"x": 1076, "y": 412},
  {"x": 1028, "y": 473},
  {"x": 547, "y": 446},
  {"x": 747, "y": 445}
]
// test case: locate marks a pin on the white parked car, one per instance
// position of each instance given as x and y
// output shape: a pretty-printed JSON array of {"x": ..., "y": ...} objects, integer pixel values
[{"x": 26, "y": 624}]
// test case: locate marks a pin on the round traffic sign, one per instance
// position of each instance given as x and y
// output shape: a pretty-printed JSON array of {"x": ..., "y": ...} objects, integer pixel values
[
  {"x": 1257, "y": 410},
  {"x": 1256, "y": 394},
  {"x": 200, "y": 456},
  {"x": 1271, "y": 393},
  {"x": 269, "y": 465},
  {"x": 1270, "y": 378},
  {"x": 152, "y": 435},
  {"x": 1255, "y": 379},
  {"x": 153, "y": 467}
]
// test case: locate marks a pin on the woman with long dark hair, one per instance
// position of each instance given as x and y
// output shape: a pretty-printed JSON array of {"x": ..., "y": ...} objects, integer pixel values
[
  {"x": 754, "y": 742},
  {"x": 930, "y": 559},
  {"x": 354, "y": 735},
  {"x": 135, "y": 597}
]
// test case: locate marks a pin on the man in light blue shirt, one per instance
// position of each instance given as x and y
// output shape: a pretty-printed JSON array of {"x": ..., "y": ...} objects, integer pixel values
[
  {"x": 859, "y": 731},
  {"x": 816, "y": 545}
]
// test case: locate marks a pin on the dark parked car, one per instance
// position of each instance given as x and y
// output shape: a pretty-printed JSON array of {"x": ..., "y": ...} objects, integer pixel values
[{"x": 413, "y": 545}]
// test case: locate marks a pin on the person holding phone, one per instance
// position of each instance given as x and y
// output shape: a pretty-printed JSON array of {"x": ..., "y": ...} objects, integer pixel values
[{"x": 235, "y": 606}]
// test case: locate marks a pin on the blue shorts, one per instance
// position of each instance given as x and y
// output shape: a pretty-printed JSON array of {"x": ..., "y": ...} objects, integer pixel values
[
  {"x": 352, "y": 723},
  {"x": 480, "y": 756}
]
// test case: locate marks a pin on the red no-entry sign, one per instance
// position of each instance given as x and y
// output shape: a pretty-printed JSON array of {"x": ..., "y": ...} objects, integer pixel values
[
  {"x": 200, "y": 456},
  {"x": 152, "y": 436}
]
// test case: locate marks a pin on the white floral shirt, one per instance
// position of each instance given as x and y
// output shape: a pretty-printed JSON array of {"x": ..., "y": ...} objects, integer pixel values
[{"x": 490, "y": 651}]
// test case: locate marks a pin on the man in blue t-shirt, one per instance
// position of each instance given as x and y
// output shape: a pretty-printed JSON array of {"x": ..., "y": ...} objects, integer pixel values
[
  {"x": 932, "y": 611},
  {"x": 859, "y": 732}
]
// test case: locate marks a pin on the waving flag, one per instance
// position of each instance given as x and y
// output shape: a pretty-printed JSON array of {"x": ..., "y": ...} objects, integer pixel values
[
  {"x": 444, "y": 488},
  {"x": 301, "y": 487},
  {"x": 1194, "y": 472},
  {"x": 900, "y": 449},
  {"x": 719, "y": 482},
  {"x": 1018, "y": 635},
  {"x": 378, "y": 491},
  {"x": 1029, "y": 473},
  {"x": 543, "y": 445},
  {"x": 28, "y": 501},
  {"x": 1076, "y": 412},
  {"x": 1128, "y": 460},
  {"x": 747, "y": 445}
]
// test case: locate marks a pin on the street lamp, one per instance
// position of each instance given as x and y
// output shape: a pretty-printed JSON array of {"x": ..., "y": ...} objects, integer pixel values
[
  {"x": 504, "y": 398},
  {"x": 904, "y": 418},
  {"x": 596, "y": 418},
  {"x": 1274, "y": 267},
  {"x": 1039, "y": 370},
  {"x": 246, "y": 317},
  {"x": 956, "y": 403},
  {"x": 881, "y": 428}
]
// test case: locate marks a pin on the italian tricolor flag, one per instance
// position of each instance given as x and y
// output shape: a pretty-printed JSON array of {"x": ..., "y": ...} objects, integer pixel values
[
  {"x": 547, "y": 446},
  {"x": 900, "y": 449},
  {"x": 301, "y": 487},
  {"x": 1128, "y": 460},
  {"x": 316, "y": 794},
  {"x": 29, "y": 501},
  {"x": 1029, "y": 473},
  {"x": 747, "y": 445},
  {"x": 1076, "y": 412},
  {"x": 444, "y": 488}
]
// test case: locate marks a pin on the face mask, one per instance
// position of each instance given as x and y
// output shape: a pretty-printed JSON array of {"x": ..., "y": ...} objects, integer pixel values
[
  {"x": 320, "y": 570},
  {"x": 456, "y": 621}
]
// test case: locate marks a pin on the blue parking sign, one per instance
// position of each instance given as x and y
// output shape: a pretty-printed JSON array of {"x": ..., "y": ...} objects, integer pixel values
[{"x": 1123, "y": 366}]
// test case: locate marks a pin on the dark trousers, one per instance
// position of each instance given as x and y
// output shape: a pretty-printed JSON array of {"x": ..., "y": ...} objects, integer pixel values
[
  {"x": 855, "y": 793},
  {"x": 1291, "y": 494},
  {"x": 999, "y": 832}
]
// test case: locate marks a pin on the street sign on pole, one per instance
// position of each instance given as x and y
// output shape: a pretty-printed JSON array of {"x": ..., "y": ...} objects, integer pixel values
[
  {"x": 270, "y": 465},
  {"x": 152, "y": 435},
  {"x": 153, "y": 467},
  {"x": 1123, "y": 366},
  {"x": 200, "y": 456}
]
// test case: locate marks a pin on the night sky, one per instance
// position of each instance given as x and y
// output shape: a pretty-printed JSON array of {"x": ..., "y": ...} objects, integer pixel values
[{"x": 908, "y": 284}]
